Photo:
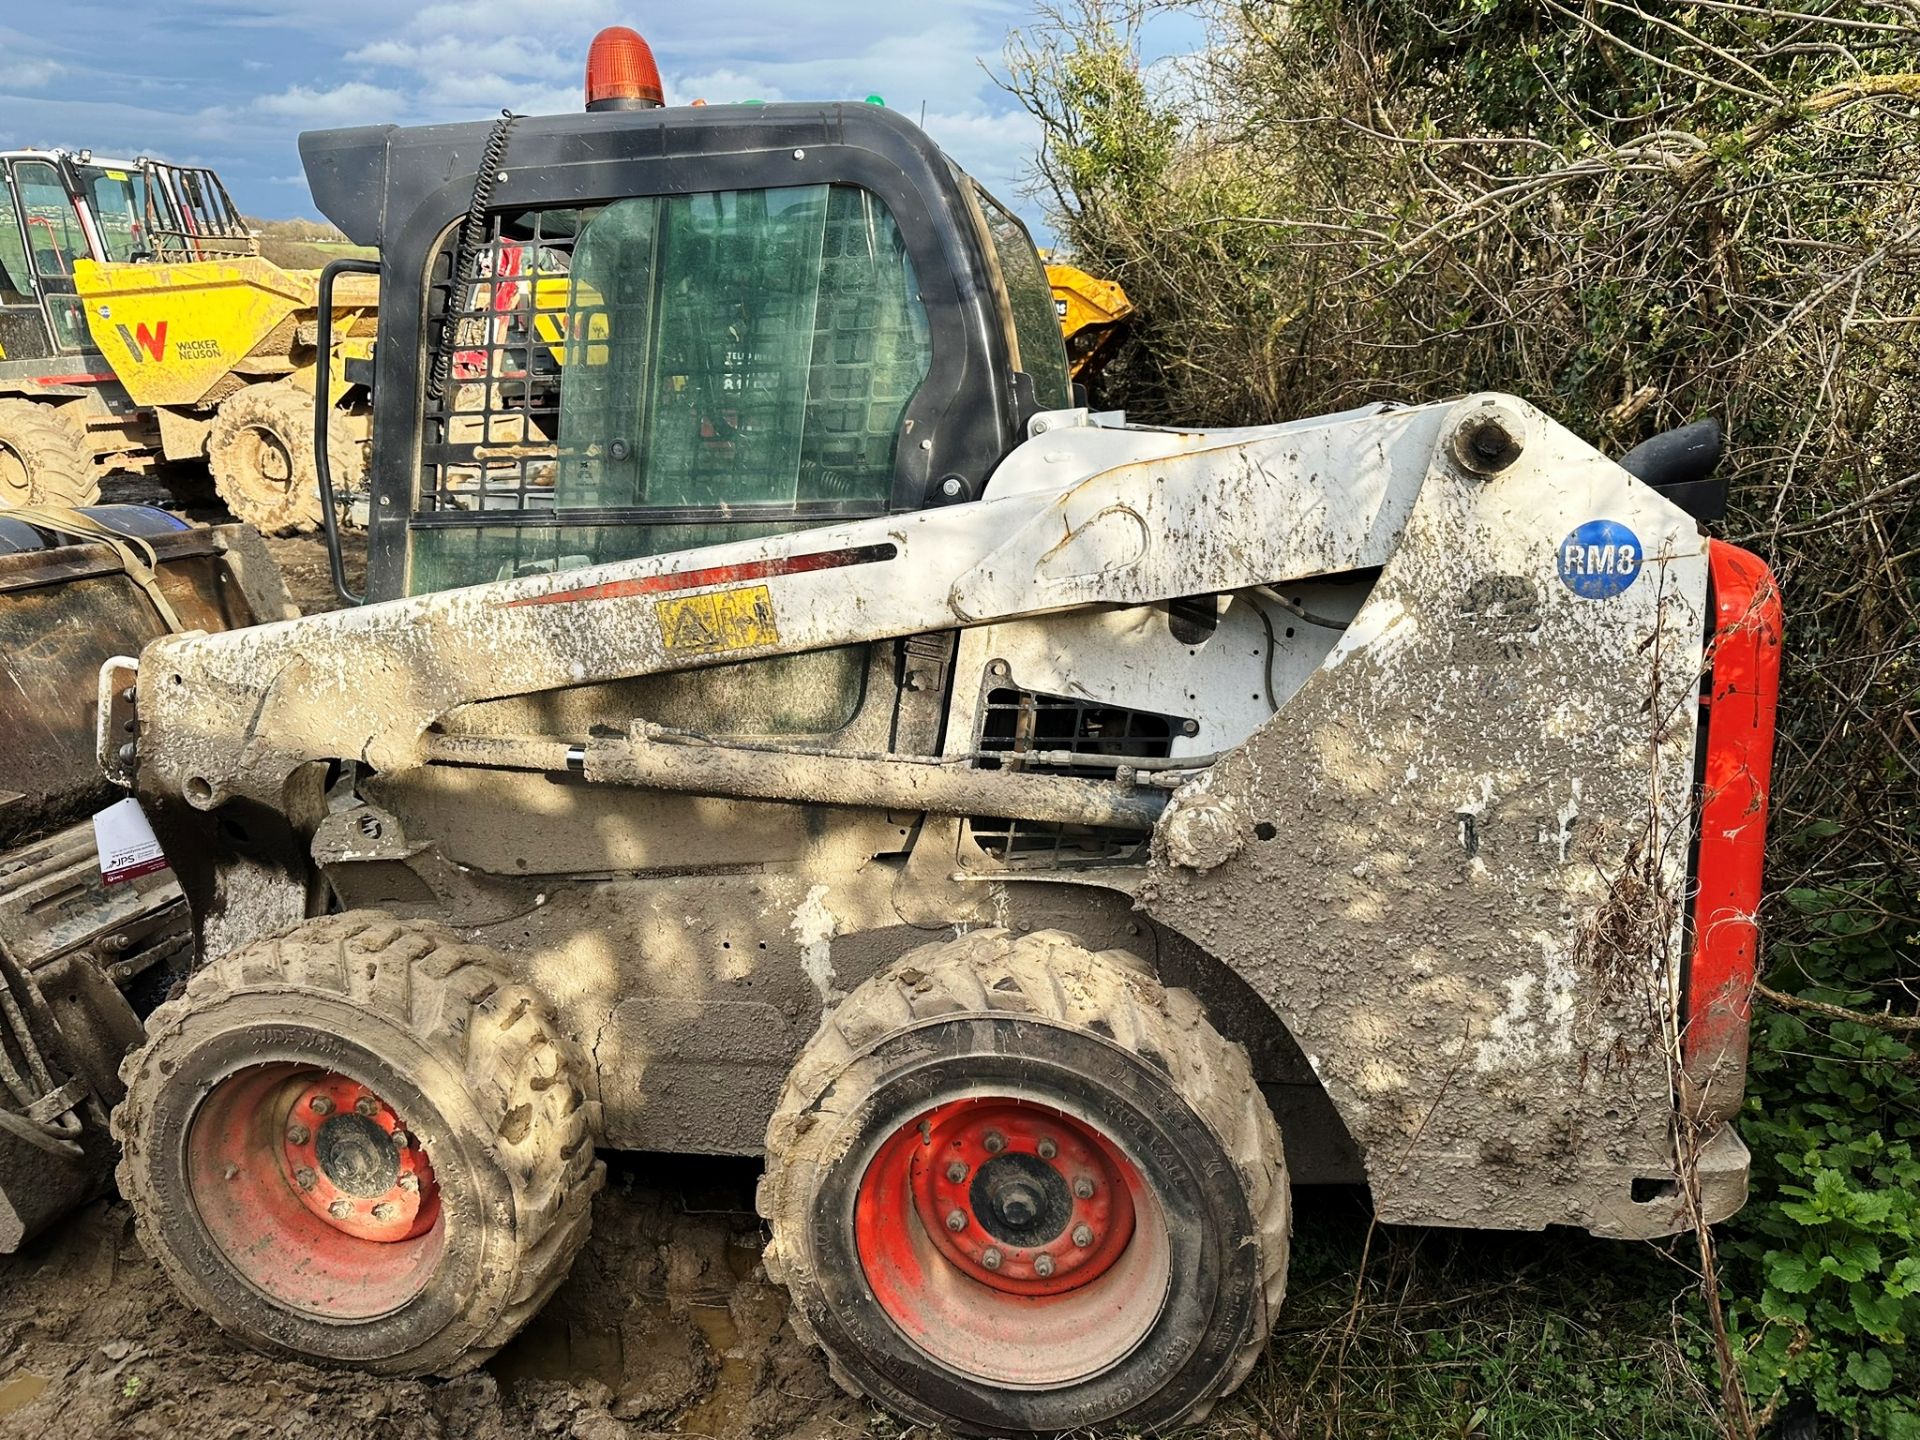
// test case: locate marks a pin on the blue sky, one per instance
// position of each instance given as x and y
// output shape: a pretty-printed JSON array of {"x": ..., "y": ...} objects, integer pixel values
[{"x": 230, "y": 83}]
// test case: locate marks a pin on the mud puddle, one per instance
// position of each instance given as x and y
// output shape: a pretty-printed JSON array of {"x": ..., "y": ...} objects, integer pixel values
[{"x": 667, "y": 1325}]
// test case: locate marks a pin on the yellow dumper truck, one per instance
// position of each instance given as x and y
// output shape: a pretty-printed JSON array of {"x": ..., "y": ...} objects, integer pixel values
[{"x": 222, "y": 350}]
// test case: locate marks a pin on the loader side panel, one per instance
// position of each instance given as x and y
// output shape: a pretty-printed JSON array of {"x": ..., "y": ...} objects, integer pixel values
[{"x": 1460, "y": 851}]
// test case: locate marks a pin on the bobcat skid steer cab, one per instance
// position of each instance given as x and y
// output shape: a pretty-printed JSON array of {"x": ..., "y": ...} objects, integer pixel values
[{"x": 787, "y": 726}]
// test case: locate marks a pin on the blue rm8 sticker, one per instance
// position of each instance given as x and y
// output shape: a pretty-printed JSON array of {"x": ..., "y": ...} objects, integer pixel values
[{"x": 1600, "y": 559}]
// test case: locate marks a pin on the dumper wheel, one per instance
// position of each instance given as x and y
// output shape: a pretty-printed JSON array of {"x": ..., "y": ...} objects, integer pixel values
[
  {"x": 261, "y": 453},
  {"x": 45, "y": 458},
  {"x": 358, "y": 1142},
  {"x": 1016, "y": 1187}
]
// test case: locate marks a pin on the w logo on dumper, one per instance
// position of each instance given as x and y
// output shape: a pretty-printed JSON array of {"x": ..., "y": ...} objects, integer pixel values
[{"x": 140, "y": 338}]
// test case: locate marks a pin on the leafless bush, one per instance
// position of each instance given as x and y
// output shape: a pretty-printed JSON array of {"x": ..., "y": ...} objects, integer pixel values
[{"x": 1632, "y": 219}]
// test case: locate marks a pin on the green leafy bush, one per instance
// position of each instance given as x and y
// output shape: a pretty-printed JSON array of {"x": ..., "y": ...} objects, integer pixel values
[
  {"x": 1638, "y": 215},
  {"x": 1830, "y": 1257}
]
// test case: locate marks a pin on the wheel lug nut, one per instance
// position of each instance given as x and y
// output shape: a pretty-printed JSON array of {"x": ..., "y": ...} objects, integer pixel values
[
  {"x": 304, "y": 1178},
  {"x": 384, "y": 1211},
  {"x": 956, "y": 1221},
  {"x": 956, "y": 1172},
  {"x": 1046, "y": 1149},
  {"x": 401, "y": 1139},
  {"x": 297, "y": 1134},
  {"x": 1043, "y": 1265},
  {"x": 1083, "y": 1187},
  {"x": 340, "y": 1209},
  {"x": 1083, "y": 1235},
  {"x": 990, "y": 1259},
  {"x": 365, "y": 1105},
  {"x": 994, "y": 1142},
  {"x": 320, "y": 1105}
]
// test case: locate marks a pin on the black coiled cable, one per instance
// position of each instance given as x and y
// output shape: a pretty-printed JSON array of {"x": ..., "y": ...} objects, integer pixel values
[{"x": 466, "y": 259}]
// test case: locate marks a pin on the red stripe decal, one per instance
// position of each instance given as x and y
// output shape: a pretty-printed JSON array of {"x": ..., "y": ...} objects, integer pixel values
[
  {"x": 71, "y": 379},
  {"x": 1741, "y": 696},
  {"x": 714, "y": 575}
]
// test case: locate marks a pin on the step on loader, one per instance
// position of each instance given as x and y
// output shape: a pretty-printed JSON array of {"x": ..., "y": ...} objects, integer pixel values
[{"x": 783, "y": 724}]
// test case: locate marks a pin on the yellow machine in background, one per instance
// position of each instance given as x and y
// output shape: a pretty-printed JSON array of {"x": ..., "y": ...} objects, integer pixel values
[
  {"x": 1093, "y": 317},
  {"x": 223, "y": 351}
]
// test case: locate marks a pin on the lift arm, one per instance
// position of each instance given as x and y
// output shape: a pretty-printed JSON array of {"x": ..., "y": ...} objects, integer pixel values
[{"x": 234, "y": 715}]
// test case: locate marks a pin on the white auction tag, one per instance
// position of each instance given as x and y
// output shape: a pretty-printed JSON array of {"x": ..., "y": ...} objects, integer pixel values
[{"x": 125, "y": 842}]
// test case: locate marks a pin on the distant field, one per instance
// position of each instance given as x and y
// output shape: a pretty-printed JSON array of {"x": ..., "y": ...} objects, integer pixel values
[{"x": 305, "y": 244}]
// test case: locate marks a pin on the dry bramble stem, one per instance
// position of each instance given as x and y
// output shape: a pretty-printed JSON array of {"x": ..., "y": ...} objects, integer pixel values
[{"x": 1894, "y": 1024}]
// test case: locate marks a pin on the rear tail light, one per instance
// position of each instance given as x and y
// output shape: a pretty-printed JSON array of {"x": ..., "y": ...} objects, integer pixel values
[{"x": 1739, "y": 703}]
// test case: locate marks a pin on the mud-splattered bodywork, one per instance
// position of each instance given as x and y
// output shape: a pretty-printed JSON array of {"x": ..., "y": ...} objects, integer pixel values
[{"x": 1424, "y": 791}]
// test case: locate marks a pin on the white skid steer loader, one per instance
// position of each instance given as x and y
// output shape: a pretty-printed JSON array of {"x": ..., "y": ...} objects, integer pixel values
[{"x": 785, "y": 724}]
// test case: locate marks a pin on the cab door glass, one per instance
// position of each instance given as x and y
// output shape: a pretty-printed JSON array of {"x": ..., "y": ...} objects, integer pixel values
[
  {"x": 1036, "y": 324},
  {"x": 23, "y": 328},
  {"x": 16, "y": 269},
  {"x": 743, "y": 347},
  {"x": 119, "y": 202},
  {"x": 689, "y": 365},
  {"x": 54, "y": 241}
]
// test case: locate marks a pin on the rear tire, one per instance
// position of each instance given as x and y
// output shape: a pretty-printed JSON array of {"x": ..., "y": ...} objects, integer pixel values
[
  {"x": 991, "y": 1100},
  {"x": 357, "y": 1142},
  {"x": 45, "y": 457},
  {"x": 260, "y": 451}
]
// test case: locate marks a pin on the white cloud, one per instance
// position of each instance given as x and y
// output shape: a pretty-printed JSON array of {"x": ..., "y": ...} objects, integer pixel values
[
  {"x": 353, "y": 103},
  {"x": 27, "y": 73}
]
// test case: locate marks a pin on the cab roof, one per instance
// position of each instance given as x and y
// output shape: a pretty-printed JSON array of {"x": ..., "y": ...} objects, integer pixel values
[{"x": 367, "y": 179}]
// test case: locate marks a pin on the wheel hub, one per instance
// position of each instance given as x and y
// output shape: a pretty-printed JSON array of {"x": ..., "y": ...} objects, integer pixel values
[
  {"x": 1020, "y": 1197},
  {"x": 353, "y": 1164},
  {"x": 356, "y": 1155}
]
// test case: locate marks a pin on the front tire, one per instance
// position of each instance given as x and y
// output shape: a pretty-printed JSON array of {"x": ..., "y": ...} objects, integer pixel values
[
  {"x": 261, "y": 453},
  {"x": 1018, "y": 1188},
  {"x": 45, "y": 457},
  {"x": 357, "y": 1142}
]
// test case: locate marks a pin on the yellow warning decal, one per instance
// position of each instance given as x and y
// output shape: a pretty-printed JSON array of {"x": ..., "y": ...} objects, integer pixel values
[
  {"x": 116, "y": 175},
  {"x": 723, "y": 620}
]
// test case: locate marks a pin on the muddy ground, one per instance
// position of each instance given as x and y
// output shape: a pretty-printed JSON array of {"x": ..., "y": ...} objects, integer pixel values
[{"x": 667, "y": 1324}]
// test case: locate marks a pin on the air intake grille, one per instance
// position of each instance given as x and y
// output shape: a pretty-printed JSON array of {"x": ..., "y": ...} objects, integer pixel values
[{"x": 1016, "y": 724}]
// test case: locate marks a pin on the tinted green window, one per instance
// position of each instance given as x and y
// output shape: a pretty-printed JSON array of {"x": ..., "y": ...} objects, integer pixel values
[
  {"x": 16, "y": 275},
  {"x": 721, "y": 359},
  {"x": 1036, "y": 325},
  {"x": 736, "y": 348}
]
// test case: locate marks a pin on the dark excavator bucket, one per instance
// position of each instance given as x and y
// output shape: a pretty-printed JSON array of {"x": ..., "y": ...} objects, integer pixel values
[{"x": 81, "y": 961}]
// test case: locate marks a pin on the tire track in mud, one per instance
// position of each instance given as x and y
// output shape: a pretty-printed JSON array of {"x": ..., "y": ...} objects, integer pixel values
[{"x": 667, "y": 1324}]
